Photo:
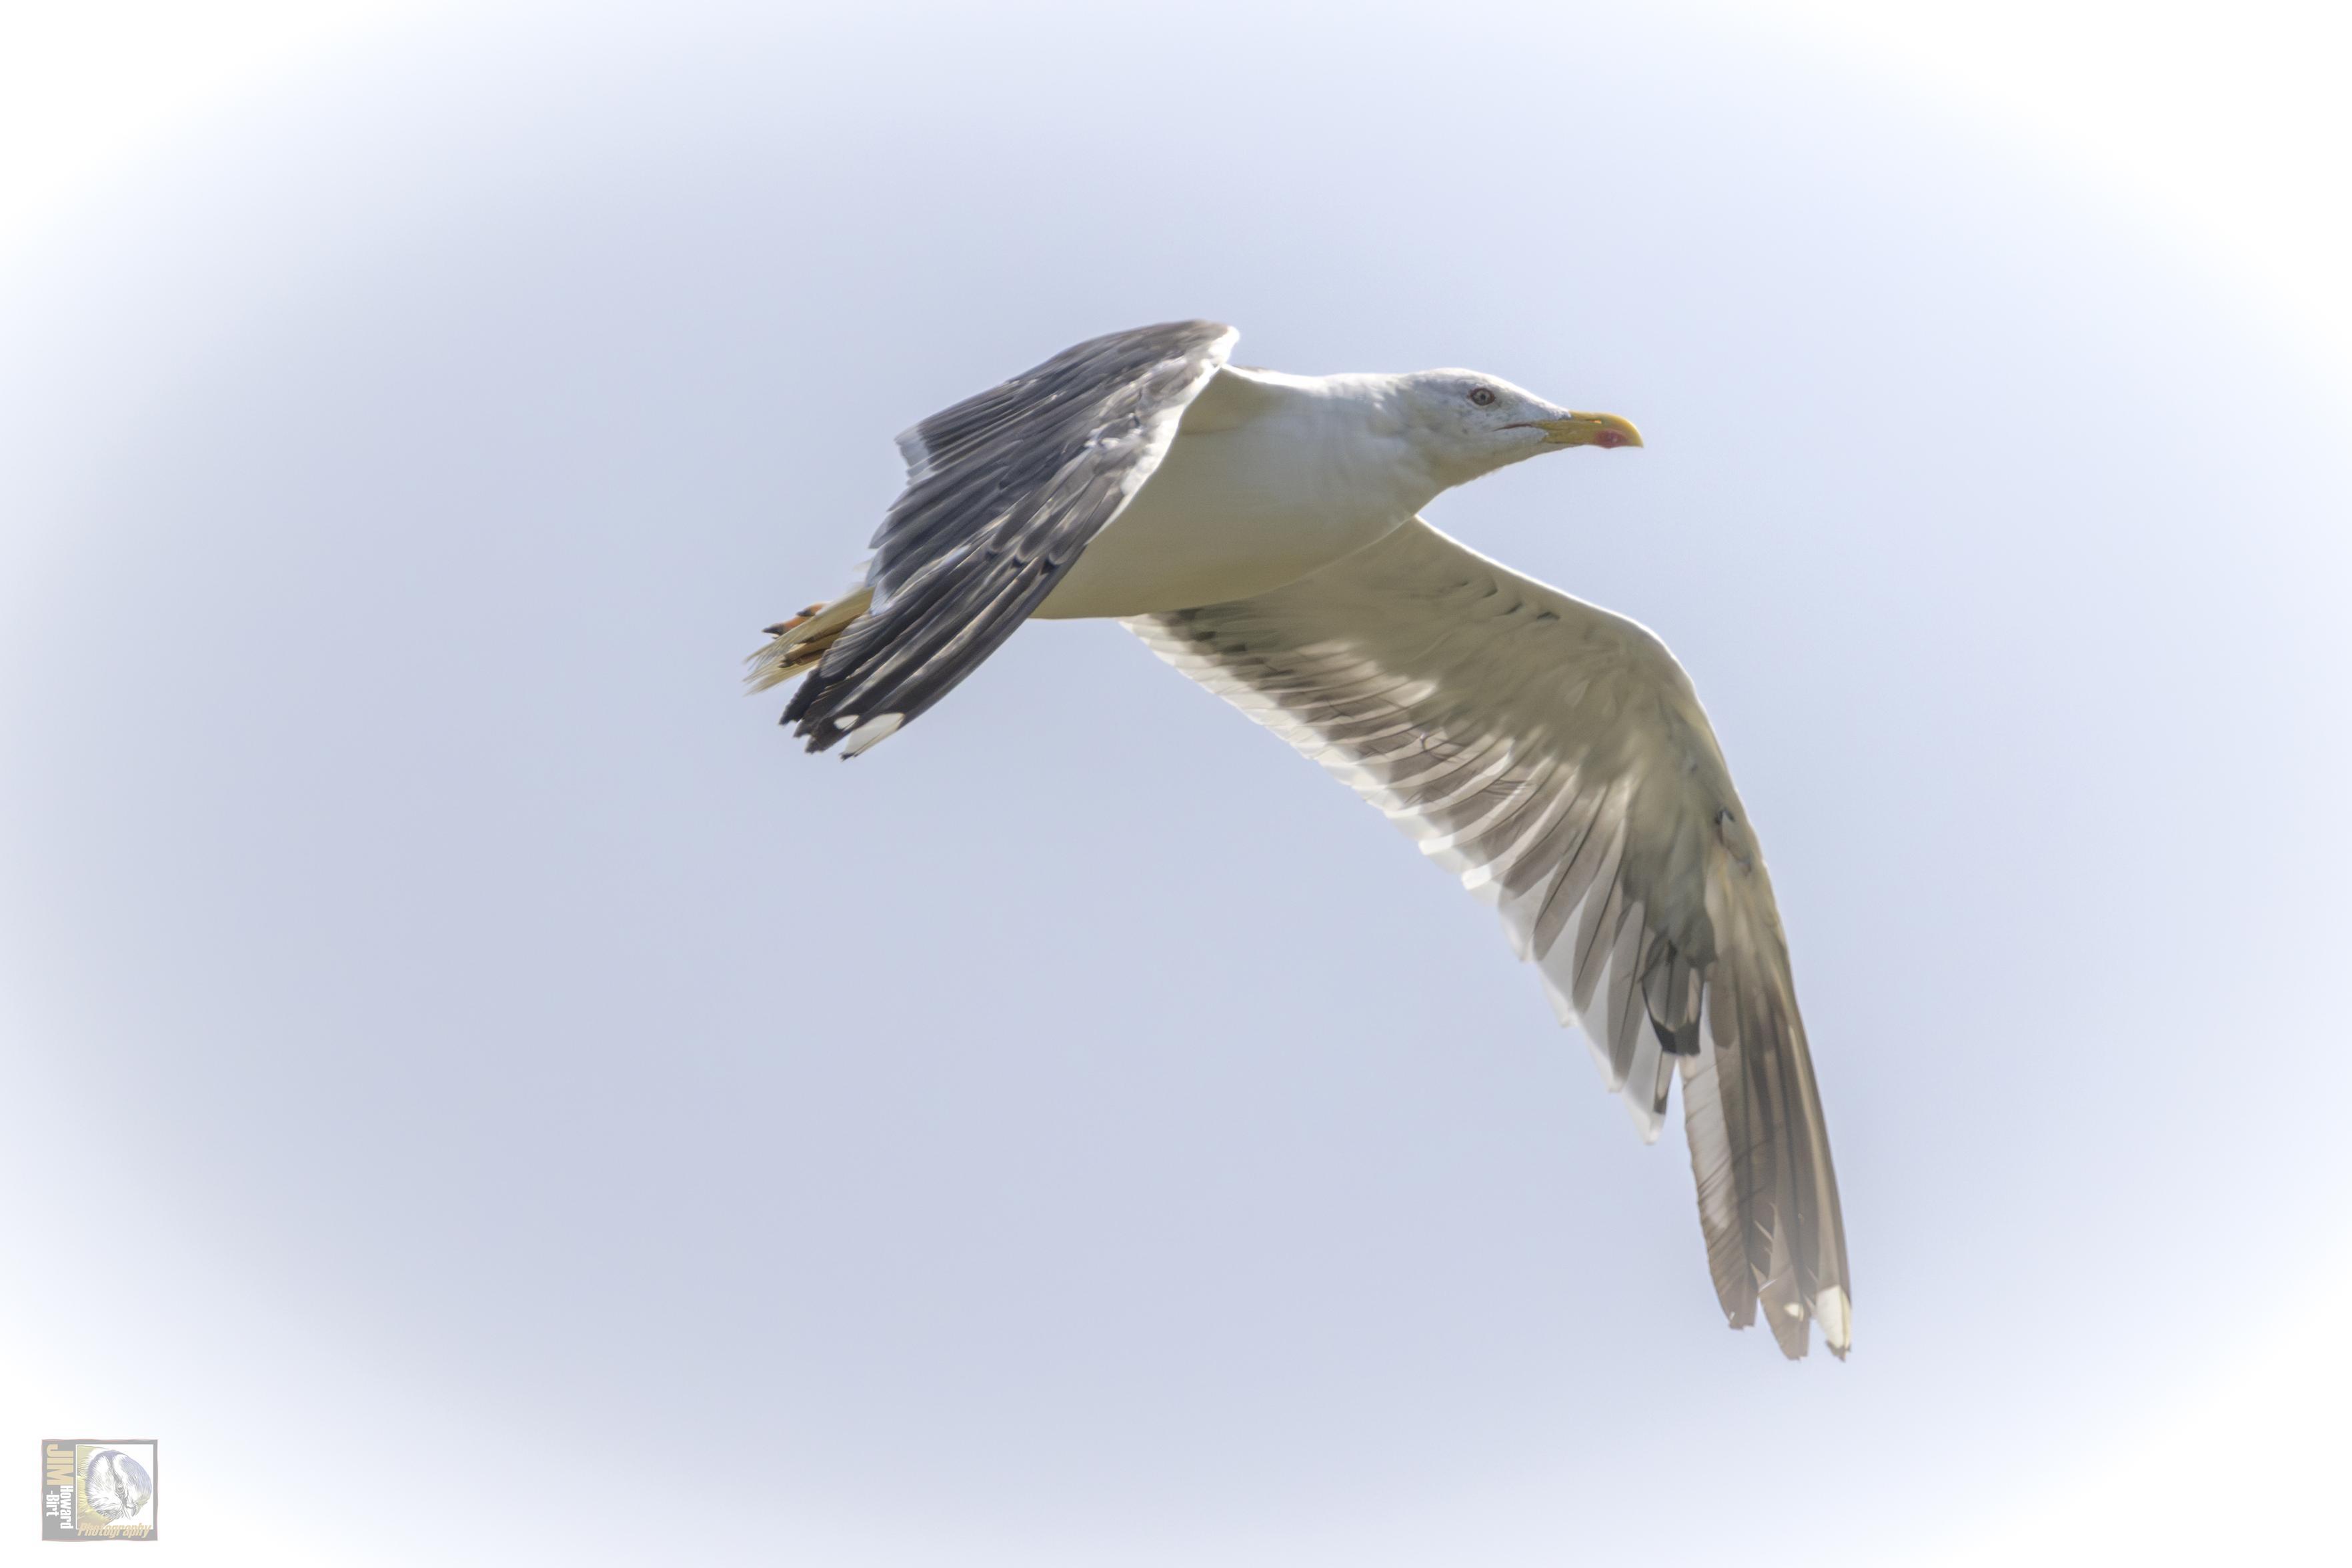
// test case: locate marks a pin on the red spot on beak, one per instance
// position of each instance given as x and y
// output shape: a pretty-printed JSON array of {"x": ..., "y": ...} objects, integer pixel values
[{"x": 1608, "y": 438}]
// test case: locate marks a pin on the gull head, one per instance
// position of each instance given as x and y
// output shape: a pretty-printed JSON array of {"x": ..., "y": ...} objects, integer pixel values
[{"x": 1466, "y": 424}]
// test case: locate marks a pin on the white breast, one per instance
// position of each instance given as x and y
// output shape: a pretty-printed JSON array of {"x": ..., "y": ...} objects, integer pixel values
[{"x": 1270, "y": 478}]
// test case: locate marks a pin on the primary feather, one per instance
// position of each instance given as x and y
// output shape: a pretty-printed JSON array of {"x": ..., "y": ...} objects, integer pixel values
[
  {"x": 1260, "y": 532},
  {"x": 1555, "y": 758}
]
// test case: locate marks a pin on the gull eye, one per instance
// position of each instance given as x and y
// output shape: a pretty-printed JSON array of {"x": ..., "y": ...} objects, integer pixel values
[{"x": 1482, "y": 396}]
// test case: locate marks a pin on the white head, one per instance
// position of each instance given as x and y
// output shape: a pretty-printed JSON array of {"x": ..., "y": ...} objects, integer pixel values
[{"x": 1464, "y": 423}]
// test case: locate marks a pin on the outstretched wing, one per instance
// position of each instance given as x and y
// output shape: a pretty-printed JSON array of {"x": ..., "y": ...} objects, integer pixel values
[
  {"x": 1555, "y": 756},
  {"x": 1002, "y": 491}
]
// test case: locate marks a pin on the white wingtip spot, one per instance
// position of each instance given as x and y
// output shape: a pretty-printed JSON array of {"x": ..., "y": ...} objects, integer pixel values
[
  {"x": 873, "y": 732},
  {"x": 1834, "y": 1313}
]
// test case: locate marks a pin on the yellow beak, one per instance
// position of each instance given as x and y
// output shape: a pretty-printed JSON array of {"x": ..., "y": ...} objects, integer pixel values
[{"x": 1589, "y": 430}]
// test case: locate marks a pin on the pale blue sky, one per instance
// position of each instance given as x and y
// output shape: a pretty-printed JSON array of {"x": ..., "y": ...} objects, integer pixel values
[{"x": 481, "y": 1089}]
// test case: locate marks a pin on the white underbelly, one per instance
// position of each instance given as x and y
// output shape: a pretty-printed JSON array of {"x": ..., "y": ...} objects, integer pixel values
[{"x": 1227, "y": 515}]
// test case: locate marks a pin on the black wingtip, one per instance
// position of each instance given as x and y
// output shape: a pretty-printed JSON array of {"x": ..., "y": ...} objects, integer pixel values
[{"x": 1682, "y": 1041}]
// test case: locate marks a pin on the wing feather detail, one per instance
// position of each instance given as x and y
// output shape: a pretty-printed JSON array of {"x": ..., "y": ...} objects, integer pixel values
[
  {"x": 1555, "y": 758},
  {"x": 1003, "y": 491}
]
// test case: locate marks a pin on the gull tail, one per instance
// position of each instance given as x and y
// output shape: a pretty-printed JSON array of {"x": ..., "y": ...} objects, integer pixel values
[{"x": 799, "y": 642}]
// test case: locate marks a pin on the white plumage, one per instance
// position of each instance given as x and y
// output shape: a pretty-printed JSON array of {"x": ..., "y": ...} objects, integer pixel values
[{"x": 1260, "y": 531}]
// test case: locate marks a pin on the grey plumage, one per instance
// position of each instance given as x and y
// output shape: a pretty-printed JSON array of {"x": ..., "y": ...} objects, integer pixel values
[
  {"x": 1004, "y": 490},
  {"x": 1554, "y": 756},
  {"x": 1550, "y": 754}
]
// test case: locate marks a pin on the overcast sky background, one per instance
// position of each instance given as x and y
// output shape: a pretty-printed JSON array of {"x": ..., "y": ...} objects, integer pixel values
[{"x": 479, "y": 1092}]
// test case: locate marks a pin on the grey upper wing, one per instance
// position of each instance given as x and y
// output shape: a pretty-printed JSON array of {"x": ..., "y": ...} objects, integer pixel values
[
  {"x": 1002, "y": 491},
  {"x": 1555, "y": 756}
]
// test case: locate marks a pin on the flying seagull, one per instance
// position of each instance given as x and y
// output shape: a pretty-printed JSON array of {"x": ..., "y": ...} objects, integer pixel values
[{"x": 1260, "y": 532}]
